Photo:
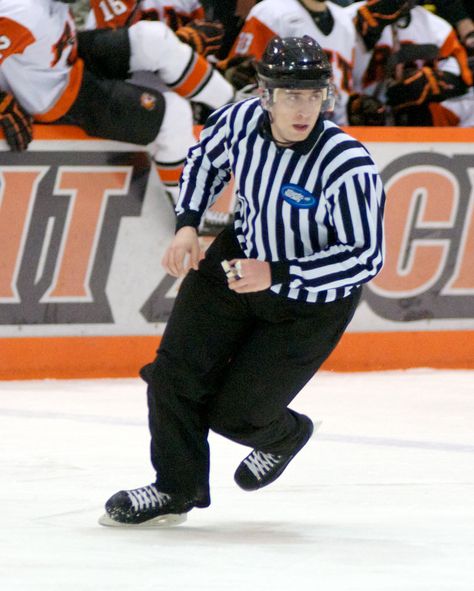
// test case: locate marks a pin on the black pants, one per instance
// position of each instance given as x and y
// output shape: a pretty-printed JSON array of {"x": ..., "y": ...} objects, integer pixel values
[
  {"x": 108, "y": 106},
  {"x": 232, "y": 363}
]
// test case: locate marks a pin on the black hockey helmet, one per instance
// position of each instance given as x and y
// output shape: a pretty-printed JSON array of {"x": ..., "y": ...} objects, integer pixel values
[{"x": 294, "y": 62}]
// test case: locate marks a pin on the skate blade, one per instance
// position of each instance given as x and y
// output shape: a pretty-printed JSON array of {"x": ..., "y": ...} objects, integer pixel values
[
  {"x": 169, "y": 520},
  {"x": 316, "y": 427}
]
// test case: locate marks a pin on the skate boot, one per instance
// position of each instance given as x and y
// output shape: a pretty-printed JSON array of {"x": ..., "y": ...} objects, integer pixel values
[
  {"x": 260, "y": 468},
  {"x": 145, "y": 507},
  {"x": 213, "y": 222}
]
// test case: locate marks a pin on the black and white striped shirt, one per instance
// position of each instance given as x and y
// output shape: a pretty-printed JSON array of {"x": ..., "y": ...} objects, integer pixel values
[{"x": 313, "y": 211}]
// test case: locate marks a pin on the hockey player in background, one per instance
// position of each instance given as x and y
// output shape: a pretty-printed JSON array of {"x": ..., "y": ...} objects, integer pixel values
[
  {"x": 330, "y": 24},
  {"x": 460, "y": 14},
  {"x": 157, "y": 61},
  {"x": 46, "y": 75},
  {"x": 232, "y": 14},
  {"x": 255, "y": 319},
  {"x": 123, "y": 13},
  {"x": 413, "y": 61}
]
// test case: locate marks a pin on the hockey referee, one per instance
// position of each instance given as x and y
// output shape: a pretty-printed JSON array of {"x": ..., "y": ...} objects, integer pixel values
[{"x": 255, "y": 319}]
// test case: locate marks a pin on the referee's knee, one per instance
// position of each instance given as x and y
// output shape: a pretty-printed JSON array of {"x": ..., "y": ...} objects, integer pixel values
[{"x": 235, "y": 421}]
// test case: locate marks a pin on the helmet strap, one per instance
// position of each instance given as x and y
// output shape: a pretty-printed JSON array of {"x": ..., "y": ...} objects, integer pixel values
[
  {"x": 330, "y": 100},
  {"x": 266, "y": 98}
]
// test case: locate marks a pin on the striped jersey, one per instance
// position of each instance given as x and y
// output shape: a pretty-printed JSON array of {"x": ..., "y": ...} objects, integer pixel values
[{"x": 314, "y": 210}]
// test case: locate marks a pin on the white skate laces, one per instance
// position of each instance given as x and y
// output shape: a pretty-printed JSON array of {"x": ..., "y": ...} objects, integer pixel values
[
  {"x": 260, "y": 463},
  {"x": 145, "y": 507},
  {"x": 147, "y": 497},
  {"x": 261, "y": 468}
]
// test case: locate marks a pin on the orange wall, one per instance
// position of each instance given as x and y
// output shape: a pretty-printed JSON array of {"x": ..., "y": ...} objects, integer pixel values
[{"x": 99, "y": 357}]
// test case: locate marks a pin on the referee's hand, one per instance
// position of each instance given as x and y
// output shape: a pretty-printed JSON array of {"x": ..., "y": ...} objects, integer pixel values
[
  {"x": 255, "y": 275},
  {"x": 185, "y": 243}
]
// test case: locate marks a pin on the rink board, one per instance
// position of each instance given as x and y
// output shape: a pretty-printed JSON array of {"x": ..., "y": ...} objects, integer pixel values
[{"x": 84, "y": 224}]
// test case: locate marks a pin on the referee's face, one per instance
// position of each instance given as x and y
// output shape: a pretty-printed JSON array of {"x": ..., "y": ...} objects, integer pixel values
[{"x": 294, "y": 113}]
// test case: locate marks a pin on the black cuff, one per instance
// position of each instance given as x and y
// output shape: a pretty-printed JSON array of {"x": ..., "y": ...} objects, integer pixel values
[
  {"x": 280, "y": 271},
  {"x": 188, "y": 218}
]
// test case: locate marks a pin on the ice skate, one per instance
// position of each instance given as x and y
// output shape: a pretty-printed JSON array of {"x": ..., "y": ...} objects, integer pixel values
[
  {"x": 214, "y": 222},
  {"x": 260, "y": 468},
  {"x": 145, "y": 507}
]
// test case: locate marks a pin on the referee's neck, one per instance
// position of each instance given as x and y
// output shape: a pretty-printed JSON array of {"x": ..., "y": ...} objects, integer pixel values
[{"x": 302, "y": 147}]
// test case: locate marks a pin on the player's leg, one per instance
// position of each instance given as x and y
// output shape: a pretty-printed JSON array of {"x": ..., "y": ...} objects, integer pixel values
[
  {"x": 117, "y": 110},
  {"x": 287, "y": 347},
  {"x": 124, "y": 111},
  {"x": 105, "y": 52},
  {"x": 171, "y": 145},
  {"x": 154, "y": 47}
]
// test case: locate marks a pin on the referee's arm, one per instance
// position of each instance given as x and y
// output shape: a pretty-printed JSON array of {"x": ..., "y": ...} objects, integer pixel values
[
  {"x": 206, "y": 172},
  {"x": 356, "y": 211}
]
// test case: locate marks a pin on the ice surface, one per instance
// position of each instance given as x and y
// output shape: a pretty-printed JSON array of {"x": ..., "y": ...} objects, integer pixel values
[{"x": 382, "y": 499}]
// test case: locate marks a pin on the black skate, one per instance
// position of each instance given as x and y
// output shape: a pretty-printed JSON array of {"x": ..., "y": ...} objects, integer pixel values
[
  {"x": 145, "y": 507},
  {"x": 260, "y": 468},
  {"x": 213, "y": 222}
]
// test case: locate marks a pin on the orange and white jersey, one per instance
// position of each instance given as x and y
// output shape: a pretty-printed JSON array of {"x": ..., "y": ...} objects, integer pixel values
[
  {"x": 288, "y": 18},
  {"x": 432, "y": 34},
  {"x": 118, "y": 13},
  {"x": 157, "y": 55},
  {"x": 455, "y": 112},
  {"x": 38, "y": 56},
  {"x": 423, "y": 29}
]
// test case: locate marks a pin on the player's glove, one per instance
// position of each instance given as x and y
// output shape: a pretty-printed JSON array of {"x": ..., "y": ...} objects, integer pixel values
[
  {"x": 204, "y": 37},
  {"x": 239, "y": 70},
  {"x": 422, "y": 86},
  {"x": 365, "y": 110},
  {"x": 173, "y": 19},
  {"x": 16, "y": 124},
  {"x": 374, "y": 15}
]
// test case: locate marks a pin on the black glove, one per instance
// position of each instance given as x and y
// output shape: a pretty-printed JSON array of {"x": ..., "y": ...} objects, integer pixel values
[
  {"x": 173, "y": 19},
  {"x": 16, "y": 124},
  {"x": 423, "y": 86},
  {"x": 238, "y": 70},
  {"x": 365, "y": 110},
  {"x": 373, "y": 16},
  {"x": 204, "y": 37}
]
